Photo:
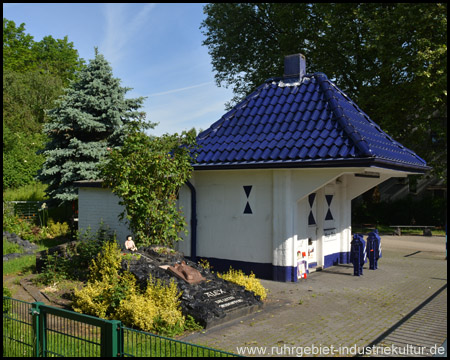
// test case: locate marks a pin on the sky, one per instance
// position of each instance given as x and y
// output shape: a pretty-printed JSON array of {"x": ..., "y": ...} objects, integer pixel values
[{"x": 155, "y": 49}]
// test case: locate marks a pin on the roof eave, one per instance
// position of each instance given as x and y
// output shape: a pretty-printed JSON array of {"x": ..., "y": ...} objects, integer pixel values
[
  {"x": 89, "y": 183},
  {"x": 357, "y": 162}
]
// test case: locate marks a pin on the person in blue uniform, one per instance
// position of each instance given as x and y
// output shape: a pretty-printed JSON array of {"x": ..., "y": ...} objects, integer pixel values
[
  {"x": 358, "y": 254},
  {"x": 373, "y": 249}
]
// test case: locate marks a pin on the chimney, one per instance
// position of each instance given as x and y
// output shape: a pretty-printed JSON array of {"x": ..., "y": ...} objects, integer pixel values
[{"x": 295, "y": 66}]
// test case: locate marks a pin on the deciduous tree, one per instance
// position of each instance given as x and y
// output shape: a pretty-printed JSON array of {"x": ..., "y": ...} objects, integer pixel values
[
  {"x": 390, "y": 58},
  {"x": 146, "y": 173},
  {"x": 34, "y": 74}
]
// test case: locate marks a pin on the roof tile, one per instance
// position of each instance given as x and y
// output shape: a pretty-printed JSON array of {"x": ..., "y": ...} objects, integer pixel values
[{"x": 291, "y": 123}]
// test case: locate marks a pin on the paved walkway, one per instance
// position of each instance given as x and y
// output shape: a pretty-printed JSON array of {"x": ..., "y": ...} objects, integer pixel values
[{"x": 334, "y": 313}]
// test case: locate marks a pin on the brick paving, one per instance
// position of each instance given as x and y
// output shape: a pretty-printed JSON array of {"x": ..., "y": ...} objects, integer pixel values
[{"x": 340, "y": 312}]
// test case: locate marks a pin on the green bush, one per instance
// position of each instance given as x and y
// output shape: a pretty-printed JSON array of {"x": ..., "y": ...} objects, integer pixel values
[
  {"x": 57, "y": 268},
  {"x": 75, "y": 260},
  {"x": 28, "y": 230},
  {"x": 56, "y": 229},
  {"x": 155, "y": 310}
]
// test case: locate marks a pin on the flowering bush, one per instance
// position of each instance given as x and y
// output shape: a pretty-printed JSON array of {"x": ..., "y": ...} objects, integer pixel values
[{"x": 250, "y": 282}]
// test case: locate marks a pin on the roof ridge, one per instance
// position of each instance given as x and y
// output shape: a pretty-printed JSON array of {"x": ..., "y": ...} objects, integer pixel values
[
  {"x": 354, "y": 135},
  {"x": 351, "y": 132}
]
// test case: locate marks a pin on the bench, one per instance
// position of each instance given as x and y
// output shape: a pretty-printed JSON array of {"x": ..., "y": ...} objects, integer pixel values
[{"x": 426, "y": 229}]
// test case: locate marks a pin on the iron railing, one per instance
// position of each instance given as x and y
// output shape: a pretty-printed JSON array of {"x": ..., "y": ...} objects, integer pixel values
[
  {"x": 24, "y": 209},
  {"x": 142, "y": 344},
  {"x": 18, "y": 335},
  {"x": 36, "y": 330}
]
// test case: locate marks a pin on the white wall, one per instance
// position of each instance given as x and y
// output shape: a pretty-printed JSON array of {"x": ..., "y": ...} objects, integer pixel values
[
  {"x": 223, "y": 230},
  {"x": 277, "y": 227},
  {"x": 97, "y": 204},
  {"x": 278, "y": 199}
]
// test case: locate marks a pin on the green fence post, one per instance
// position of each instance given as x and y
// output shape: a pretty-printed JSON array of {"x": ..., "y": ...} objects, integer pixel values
[
  {"x": 110, "y": 346},
  {"x": 36, "y": 313}
]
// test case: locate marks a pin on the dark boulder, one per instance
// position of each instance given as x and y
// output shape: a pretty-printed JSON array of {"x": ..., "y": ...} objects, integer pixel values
[{"x": 210, "y": 302}]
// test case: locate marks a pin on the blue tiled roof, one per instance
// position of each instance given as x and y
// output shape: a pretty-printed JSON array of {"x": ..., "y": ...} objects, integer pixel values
[{"x": 307, "y": 124}]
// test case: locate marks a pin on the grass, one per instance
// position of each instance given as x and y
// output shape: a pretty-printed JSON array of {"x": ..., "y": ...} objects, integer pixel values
[
  {"x": 20, "y": 266},
  {"x": 11, "y": 248},
  {"x": 25, "y": 264},
  {"x": 30, "y": 192}
]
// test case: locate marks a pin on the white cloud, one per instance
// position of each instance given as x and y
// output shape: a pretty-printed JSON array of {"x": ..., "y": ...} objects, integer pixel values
[
  {"x": 175, "y": 112},
  {"x": 180, "y": 89},
  {"x": 121, "y": 27}
]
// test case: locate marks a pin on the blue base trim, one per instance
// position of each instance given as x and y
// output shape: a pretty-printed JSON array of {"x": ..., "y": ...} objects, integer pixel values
[
  {"x": 261, "y": 270},
  {"x": 284, "y": 273},
  {"x": 336, "y": 258},
  {"x": 272, "y": 272}
]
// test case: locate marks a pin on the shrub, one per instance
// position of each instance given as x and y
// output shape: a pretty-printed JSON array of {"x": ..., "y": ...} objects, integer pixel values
[
  {"x": 29, "y": 231},
  {"x": 166, "y": 299},
  {"x": 107, "y": 263},
  {"x": 250, "y": 282},
  {"x": 146, "y": 173},
  {"x": 112, "y": 294},
  {"x": 87, "y": 249},
  {"x": 205, "y": 264},
  {"x": 102, "y": 298},
  {"x": 138, "y": 311},
  {"x": 56, "y": 268},
  {"x": 15, "y": 225},
  {"x": 156, "y": 310},
  {"x": 57, "y": 229},
  {"x": 106, "y": 287}
]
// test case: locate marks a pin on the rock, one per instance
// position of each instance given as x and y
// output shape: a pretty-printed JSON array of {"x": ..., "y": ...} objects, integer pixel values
[
  {"x": 210, "y": 302},
  {"x": 12, "y": 256},
  {"x": 25, "y": 244}
]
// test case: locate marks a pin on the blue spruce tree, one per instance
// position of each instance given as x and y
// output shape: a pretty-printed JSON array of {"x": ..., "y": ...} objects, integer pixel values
[{"x": 89, "y": 118}]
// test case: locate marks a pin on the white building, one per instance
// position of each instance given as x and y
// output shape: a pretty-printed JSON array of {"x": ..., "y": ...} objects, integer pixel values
[{"x": 274, "y": 178}]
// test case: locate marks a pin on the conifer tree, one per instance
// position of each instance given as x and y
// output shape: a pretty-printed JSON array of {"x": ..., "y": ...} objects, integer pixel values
[{"x": 90, "y": 118}]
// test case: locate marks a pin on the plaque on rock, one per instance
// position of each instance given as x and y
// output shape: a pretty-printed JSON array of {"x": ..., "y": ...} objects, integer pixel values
[{"x": 209, "y": 299}]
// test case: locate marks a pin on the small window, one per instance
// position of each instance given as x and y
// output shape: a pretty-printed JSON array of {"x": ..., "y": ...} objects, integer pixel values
[{"x": 247, "y": 190}]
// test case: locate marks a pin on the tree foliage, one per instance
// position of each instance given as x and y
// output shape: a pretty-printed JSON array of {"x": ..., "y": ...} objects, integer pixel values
[
  {"x": 34, "y": 74},
  {"x": 146, "y": 173},
  {"x": 391, "y": 59},
  {"x": 22, "y": 54},
  {"x": 91, "y": 116}
]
